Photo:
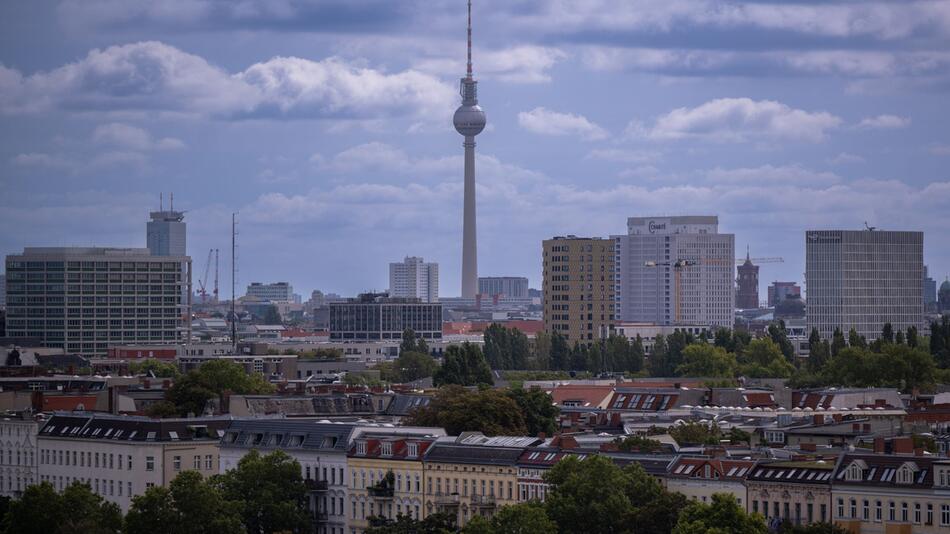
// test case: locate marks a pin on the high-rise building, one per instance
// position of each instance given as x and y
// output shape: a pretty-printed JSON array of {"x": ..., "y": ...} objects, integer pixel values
[
  {"x": 747, "y": 292},
  {"x": 515, "y": 287},
  {"x": 863, "y": 279},
  {"x": 469, "y": 120},
  {"x": 165, "y": 233},
  {"x": 3, "y": 291},
  {"x": 943, "y": 297},
  {"x": 779, "y": 291},
  {"x": 414, "y": 278},
  {"x": 930, "y": 290},
  {"x": 86, "y": 299},
  {"x": 578, "y": 287},
  {"x": 376, "y": 317},
  {"x": 676, "y": 270},
  {"x": 275, "y": 292}
]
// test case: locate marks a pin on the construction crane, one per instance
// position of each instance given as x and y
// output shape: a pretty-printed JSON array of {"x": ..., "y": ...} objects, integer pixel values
[
  {"x": 215, "y": 276},
  {"x": 203, "y": 281},
  {"x": 774, "y": 259},
  {"x": 677, "y": 265}
]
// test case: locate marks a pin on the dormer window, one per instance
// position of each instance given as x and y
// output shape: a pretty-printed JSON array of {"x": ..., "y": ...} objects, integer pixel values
[
  {"x": 855, "y": 471},
  {"x": 387, "y": 449},
  {"x": 361, "y": 447},
  {"x": 905, "y": 474},
  {"x": 413, "y": 451}
]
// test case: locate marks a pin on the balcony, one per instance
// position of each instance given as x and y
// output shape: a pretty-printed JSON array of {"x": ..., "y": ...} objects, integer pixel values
[
  {"x": 447, "y": 500},
  {"x": 318, "y": 486},
  {"x": 319, "y": 517},
  {"x": 381, "y": 492},
  {"x": 378, "y": 521},
  {"x": 483, "y": 501}
]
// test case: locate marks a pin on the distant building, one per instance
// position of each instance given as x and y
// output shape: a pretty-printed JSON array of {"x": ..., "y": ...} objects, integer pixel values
[
  {"x": 580, "y": 306},
  {"x": 747, "y": 294},
  {"x": 863, "y": 279},
  {"x": 18, "y": 467},
  {"x": 943, "y": 300},
  {"x": 779, "y": 291},
  {"x": 508, "y": 286},
  {"x": 373, "y": 317},
  {"x": 275, "y": 292},
  {"x": 930, "y": 290},
  {"x": 87, "y": 299},
  {"x": 165, "y": 233},
  {"x": 3, "y": 291},
  {"x": 415, "y": 279},
  {"x": 653, "y": 289}
]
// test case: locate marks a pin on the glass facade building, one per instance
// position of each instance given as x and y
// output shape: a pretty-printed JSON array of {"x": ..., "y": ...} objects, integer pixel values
[
  {"x": 373, "y": 317},
  {"x": 87, "y": 299}
]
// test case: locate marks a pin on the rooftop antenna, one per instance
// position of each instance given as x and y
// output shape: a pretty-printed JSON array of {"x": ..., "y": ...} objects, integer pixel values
[
  {"x": 233, "y": 284},
  {"x": 171, "y": 206},
  {"x": 469, "y": 69},
  {"x": 161, "y": 202}
]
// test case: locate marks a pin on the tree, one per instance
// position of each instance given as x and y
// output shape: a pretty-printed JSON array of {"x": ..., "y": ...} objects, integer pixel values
[
  {"x": 77, "y": 510},
  {"x": 837, "y": 342},
  {"x": 541, "y": 351},
  {"x": 464, "y": 365},
  {"x": 737, "y": 435},
  {"x": 707, "y": 360},
  {"x": 660, "y": 362},
  {"x": 636, "y": 443},
  {"x": 779, "y": 335},
  {"x": 763, "y": 358},
  {"x": 560, "y": 352},
  {"x": 272, "y": 316},
  {"x": 195, "y": 389},
  {"x": 458, "y": 410},
  {"x": 438, "y": 523},
  {"x": 270, "y": 492},
  {"x": 721, "y": 516},
  {"x": 505, "y": 348},
  {"x": 912, "y": 336},
  {"x": 524, "y": 518},
  {"x": 161, "y": 410},
  {"x": 887, "y": 333},
  {"x": 695, "y": 433},
  {"x": 410, "y": 366},
  {"x": 622, "y": 355},
  {"x": 856, "y": 340},
  {"x": 158, "y": 368},
  {"x": 537, "y": 406},
  {"x": 190, "y": 505},
  {"x": 411, "y": 342},
  {"x": 813, "y": 528}
]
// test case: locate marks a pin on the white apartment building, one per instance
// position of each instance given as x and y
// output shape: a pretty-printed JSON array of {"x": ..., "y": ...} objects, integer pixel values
[
  {"x": 18, "y": 458},
  {"x": 414, "y": 278},
  {"x": 863, "y": 279},
  {"x": 513, "y": 287},
  {"x": 122, "y": 456},
  {"x": 675, "y": 270},
  {"x": 275, "y": 292},
  {"x": 166, "y": 233}
]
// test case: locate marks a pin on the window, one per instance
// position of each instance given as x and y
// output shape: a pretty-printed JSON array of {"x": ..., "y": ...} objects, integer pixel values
[
  {"x": 866, "y": 510},
  {"x": 917, "y": 513},
  {"x": 840, "y": 507},
  {"x": 176, "y": 463},
  {"x": 944, "y": 514},
  {"x": 904, "y": 512},
  {"x": 197, "y": 462},
  {"x": 930, "y": 514},
  {"x": 149, "y": 463},
  {"x": 877, "y": 510},
  {"x": 891, "y": 511},
  {"x": 854, "y": 509},
  {"x": 209, "y": 464}
]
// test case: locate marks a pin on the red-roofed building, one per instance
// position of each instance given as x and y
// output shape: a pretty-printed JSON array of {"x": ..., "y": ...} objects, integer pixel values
[
  {"x": 700, "y": 478},
  {"x": 581, "y": 396},
  {"x": 528, "y": 328}
]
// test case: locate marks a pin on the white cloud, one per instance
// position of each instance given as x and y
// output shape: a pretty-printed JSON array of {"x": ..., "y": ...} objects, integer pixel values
[
  {"x": 845, "y": 158},
  {"x": 884, "y": 122},
  {"x": 793, "y": 175},
  {"x": 518, "y": 64},
  {"x": 738, "y": 120},
  {"x": 132, "y": 138},
  {"x": 546, "y": 122},
  {"x": 41, "y": 159},
  {"x": 622, "y": 155},
  {"x": 156, "y": 77},
  {"x": 940, "y": 150}
]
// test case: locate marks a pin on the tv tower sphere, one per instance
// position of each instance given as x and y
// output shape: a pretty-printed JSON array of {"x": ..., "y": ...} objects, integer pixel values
[{"x": 469, "y": 120}]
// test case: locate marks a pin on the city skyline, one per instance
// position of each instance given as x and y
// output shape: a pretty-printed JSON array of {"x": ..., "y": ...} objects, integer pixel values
[{"x": 836, "y": 122}]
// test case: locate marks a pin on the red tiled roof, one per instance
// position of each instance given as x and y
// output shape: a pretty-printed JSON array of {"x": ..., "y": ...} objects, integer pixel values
[
  {"x": 68, "y": 402},
  {"x": 478, "y": 327},
  {"x": 719, "y": 469},
  {"x": 587, "y": 396},
  {"x": 759, "y": 399}
]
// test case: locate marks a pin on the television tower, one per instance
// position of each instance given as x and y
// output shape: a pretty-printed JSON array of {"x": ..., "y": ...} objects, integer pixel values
[{"x": 469, "y": 121}]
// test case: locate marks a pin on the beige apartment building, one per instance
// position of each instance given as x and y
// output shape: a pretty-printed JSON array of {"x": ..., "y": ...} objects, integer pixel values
[
  {"x": 578, "y": 285},
  {"x": 122, "y": 456},
  {"x": 798, "y": 492}
]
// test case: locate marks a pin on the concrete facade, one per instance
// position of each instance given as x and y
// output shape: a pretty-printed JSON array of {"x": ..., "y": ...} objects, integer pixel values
[
  {"x": 414, "y": 278},
  {"x": 578, "y": 285}
]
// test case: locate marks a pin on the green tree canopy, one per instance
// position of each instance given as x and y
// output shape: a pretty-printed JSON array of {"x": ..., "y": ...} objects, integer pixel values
[
  {"x": 77, "y": 510},
  {"x": 412, "y": 342},
  {"x": 537, "y": 406},
  {"x": 464, "y": 365},
  {"x": 764, "y": 359},
  {"x": 524, "y": 518},
  {"x": 721, "y": 516},
  {"x": 701, "y": 359},
  {"x": 195, "y": 389},
  {"x": 411, "y": 365},
  {"x": 272, "y": 316},
  {"x": 438, "y": 523},
  {"x": 458, "y": 410},
  {"x": 159, "y": 368},
  {"x": 190, "y": 505},
  {"x": 269, "y": 490},
  {"x": 506, "y": 348}
]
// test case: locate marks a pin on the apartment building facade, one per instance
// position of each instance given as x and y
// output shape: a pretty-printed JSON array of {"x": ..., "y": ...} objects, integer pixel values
[
  {"x": 578, "y": 287},
  {"x": 414, "y": 278},
  {"x": 18, "y": 452}
]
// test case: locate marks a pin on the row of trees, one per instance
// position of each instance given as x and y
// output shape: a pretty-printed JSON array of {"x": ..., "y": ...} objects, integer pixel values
[
  {"x": 595, "y": 495},
  {"x": 263, "y": 494},
  {"x": 192, "y": 392}
]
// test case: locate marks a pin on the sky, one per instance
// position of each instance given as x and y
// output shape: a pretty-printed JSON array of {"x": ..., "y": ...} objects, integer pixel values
[{"x": 326, "y": 126}]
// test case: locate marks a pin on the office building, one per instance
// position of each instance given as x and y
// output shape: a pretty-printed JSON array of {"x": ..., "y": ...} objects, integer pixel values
[
  {"x": 578, "y": 285},
  {"x": 122, "y": 456},
  {"x": 676, "y": 270},
  {"x": 515, "y": 287},
  {"x": 863, "y": 279},
  {"x": 276, "y": 292},
  {"x": 373, "y": 317},
  {"x": 779, "y": 291},
  {"x": 747, "y": 290},
  {"x": 413, "y": 278},
  {"x": 86, "y": 299},
  {"x": 3, "y": 291},
  {"x": 165, "y": 233},
  {"x": 929, "y": 289},
  {"x": 943, "y": 297}
]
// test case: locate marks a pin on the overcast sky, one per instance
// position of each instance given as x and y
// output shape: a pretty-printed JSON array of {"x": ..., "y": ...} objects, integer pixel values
[{"x": 327, "y": 126}]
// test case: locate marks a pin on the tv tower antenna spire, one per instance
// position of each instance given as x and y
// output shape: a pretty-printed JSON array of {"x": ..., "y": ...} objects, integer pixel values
[{"x": 469, "y": 69}]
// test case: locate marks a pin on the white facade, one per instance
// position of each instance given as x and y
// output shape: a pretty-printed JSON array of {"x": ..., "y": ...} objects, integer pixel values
[
  {"x": 414, "y": 278},
  {"x": 276, "y": 292},
  {"x": 18, "y": 457},
  {"x": 514, "y": 287},
  {"x": 863, "y": 279},
  {"x": 702, "y": 293}
]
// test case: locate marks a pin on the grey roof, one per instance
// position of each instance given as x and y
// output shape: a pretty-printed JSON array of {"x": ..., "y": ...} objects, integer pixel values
[
  {"x": 86, "y": 426},
  {"x": 404, "y": 404},
  {"x": 287, "y": 434},
  {"x": 473, "y": 454}
]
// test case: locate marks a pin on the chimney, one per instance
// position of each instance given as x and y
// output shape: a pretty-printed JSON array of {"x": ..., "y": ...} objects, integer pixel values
[
  {"x": 808, "y": 447},
  {"x": 866, "y": 428},
  {"x": 568, "y": 442},
  {"x": 818, "y": 419},
  {"x": 878, "y": 445},
  {"x": 918, "y": 451},
  {"x": 166, "y": 384},
  {"x": 903, "y": 445},
  {"x": 880, "y": 403},
  {"x": 146, "y": 383},
  {"x": 542, "y": 435},
  {"x": 855, "y": 427},
  {"x": 837, "y": 417}
]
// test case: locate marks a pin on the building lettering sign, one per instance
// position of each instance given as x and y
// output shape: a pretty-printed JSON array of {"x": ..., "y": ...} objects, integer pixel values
[
  {"x": 815, "y": 237},
  {"x": 654, "y": 226}
]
